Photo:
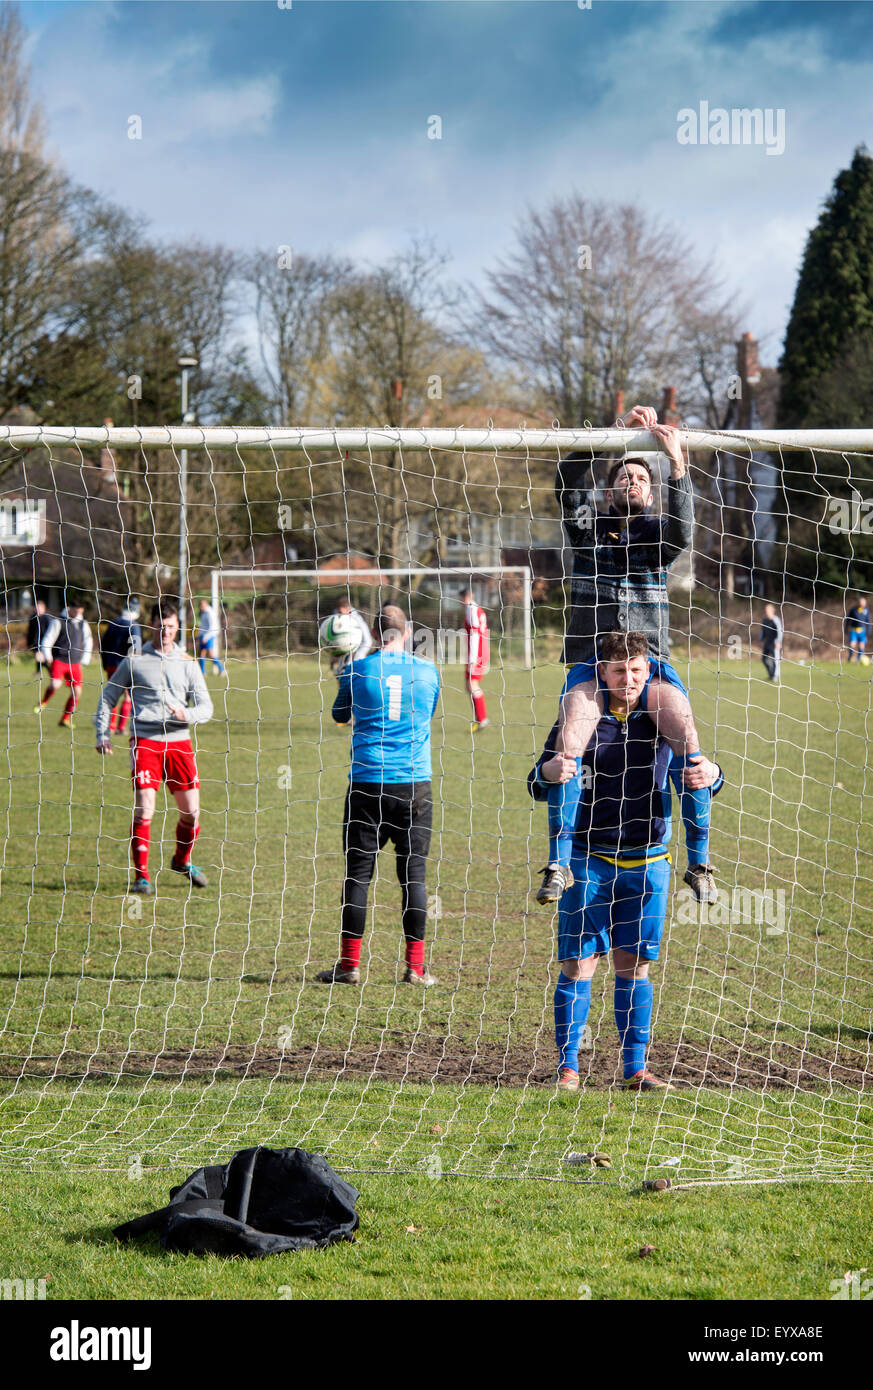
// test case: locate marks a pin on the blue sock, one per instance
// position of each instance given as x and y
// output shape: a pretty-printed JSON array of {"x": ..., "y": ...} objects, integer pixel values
[
  {"x": 696, "y": 808},
  {"x": 563, "y": 801},
  {"x": 202, "y": 664},
  {"x": 633, "y": 1017},
  {"x": 572, "y": 1002}
]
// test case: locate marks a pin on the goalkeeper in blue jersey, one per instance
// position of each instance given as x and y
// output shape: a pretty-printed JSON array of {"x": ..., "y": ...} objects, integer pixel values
[
  {"x": 391, "y": 696},
  {"x": 617, "y": 900},
  {"x": 620, "y": 561}
]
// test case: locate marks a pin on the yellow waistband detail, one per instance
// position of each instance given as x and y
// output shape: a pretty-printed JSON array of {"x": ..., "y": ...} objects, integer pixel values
[{"x": 632, "y": 863}]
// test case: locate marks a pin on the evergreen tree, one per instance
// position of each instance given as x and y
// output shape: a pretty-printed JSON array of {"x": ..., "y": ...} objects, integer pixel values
[
  {"x": 825, "y": 383},
  {"x": 832, "y": 313}
]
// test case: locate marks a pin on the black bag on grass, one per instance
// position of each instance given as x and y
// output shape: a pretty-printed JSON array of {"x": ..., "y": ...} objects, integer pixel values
[{"x": 263, "y": 1202}]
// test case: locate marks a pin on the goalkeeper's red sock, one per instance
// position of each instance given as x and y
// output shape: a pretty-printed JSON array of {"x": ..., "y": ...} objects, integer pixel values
[
  {"x": 350, "y": 952},
  {"x": 186, "y": 834},
  {"x": 415, "y": 956},
  {"x": 479, "y": 709},
  {"x": 124, "y": 714},
  {"x": 139, "y": 846}
]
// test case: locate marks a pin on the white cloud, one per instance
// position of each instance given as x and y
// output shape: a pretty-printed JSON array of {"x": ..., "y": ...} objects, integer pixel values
[
  {"x": 235, "y": 110},
  {"x": 90, "y": 86}
]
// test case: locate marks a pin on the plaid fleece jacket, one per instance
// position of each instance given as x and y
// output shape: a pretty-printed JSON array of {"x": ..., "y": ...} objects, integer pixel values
[{"x": 619, "y": 579}]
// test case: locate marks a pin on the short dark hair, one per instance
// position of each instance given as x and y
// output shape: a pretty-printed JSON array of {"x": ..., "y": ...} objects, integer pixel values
[
  {"x": 620, "y": 464},
  {"x": 390, "y": 618},
  {"x": 623, "y": 646},
  {"x": 343, "y": 605},
  {"x": 164, "y": 608}
]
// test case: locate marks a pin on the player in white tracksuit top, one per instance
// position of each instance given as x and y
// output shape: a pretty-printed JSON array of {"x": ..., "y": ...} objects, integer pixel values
[{"x": 66, "y": 647}]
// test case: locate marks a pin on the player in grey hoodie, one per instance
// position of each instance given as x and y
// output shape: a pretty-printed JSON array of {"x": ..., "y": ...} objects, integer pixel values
[{"x": 169, "y": 695}]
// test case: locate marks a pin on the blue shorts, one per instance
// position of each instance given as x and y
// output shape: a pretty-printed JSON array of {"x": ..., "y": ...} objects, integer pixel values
[
  {"x": 587, "y": 671},
  {"x": 857, "y": 637},
  {"x": 205, "y": 645},
  {"x": 609, "y": 906}
]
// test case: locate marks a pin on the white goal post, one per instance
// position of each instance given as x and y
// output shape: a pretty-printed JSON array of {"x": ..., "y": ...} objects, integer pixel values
[{"x": 327, "y": 577}]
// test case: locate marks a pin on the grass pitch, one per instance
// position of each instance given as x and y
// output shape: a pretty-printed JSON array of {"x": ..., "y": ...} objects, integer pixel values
[{"x": 141, "y": 1038}]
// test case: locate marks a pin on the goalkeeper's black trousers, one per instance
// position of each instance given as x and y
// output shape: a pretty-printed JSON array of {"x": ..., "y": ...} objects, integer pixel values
[{"x": 375, "y": 813}]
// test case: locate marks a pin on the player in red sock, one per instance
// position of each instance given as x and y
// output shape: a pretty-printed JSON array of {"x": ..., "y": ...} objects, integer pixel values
[
  {"x": 140, "y": 834},
  {"x": 66, "y": 648},
  {"x": 476, "y": 627},
  {"x": 169, "y": 695}
]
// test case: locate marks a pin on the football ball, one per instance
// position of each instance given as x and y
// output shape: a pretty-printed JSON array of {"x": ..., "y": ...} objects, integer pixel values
[
  {"x": 339, "y": 634},
  {"x": 865, "y": 661}
]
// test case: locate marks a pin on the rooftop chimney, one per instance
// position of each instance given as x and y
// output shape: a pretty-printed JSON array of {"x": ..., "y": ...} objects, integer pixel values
[
  {"x": 669, "y": 413},
  {"x": 747, "y": 360}
]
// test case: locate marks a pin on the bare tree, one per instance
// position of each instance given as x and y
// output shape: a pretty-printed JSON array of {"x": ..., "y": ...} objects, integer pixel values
[
  {"x": 398, "y": 362},
  {"x": 39, "y": 250},
  {"x": 598, "y": 298},
  {"x": 22, "y": 127},
  {"x": 388, "y": 331},
  {"x": 194, "y": 294},
  {"x": 137, "y": 306},
  {"x": 294, "y": 305},
  {"x": 41, "y": 226}
]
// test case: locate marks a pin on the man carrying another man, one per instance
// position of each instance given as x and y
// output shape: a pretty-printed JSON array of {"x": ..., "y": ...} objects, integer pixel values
[
  {"x": 620, "y": 865},
  {"x": 619, "y": 582}
]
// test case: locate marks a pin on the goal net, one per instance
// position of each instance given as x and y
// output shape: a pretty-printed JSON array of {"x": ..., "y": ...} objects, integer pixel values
[{"x": 172, "y": 1029}]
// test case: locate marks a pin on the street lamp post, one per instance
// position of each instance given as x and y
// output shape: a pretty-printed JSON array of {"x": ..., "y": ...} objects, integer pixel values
[{"x": 186, "y": 364}]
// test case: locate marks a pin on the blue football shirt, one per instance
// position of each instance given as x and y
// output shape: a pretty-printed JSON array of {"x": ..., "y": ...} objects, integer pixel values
[{"x": 392, "y": 697}]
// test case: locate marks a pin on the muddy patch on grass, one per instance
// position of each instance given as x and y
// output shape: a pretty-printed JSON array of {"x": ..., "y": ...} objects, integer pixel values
[{"x": 778, "y": 1066}]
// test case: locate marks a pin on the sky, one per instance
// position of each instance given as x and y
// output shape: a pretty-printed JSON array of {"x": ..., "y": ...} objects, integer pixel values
[{"x": 268, "y": 124}]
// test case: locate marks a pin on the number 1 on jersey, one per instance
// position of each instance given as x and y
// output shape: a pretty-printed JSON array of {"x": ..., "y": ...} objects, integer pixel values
[{"x": 395, "y": 695}]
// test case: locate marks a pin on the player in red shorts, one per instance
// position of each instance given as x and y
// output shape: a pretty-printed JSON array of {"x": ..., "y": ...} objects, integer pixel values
[
  {"x": 476, "y": 627},
  {"x": 66, "y": 648},
  {"x": 169, "y": 695}
]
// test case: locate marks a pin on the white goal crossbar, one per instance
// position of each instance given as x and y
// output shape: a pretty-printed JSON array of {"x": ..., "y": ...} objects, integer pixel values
[
  {"x": 461, "y": 438},
  {"x": 328, "y": 577}
]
